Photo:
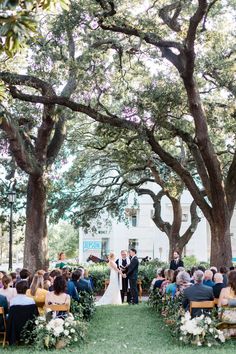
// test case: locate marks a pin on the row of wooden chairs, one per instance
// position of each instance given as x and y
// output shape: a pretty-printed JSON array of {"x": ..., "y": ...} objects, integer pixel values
[{"x": 57, "y": 308}]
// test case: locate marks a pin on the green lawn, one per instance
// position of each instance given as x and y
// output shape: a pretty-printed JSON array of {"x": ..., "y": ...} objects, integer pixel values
[{"x": 130, "y": 329}]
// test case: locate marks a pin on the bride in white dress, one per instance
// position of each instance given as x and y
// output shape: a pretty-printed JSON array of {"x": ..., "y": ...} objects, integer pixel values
[{"x": 112, "y": 294}]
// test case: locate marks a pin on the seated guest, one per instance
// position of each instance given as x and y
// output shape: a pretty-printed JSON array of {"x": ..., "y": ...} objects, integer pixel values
[
  {"x": 1, "y": 276},
  {"x": 82, "y": 284},
  {"x": 72, "y": 285},
  {"x": 88, "y": 278},
  {"x": 66, "y": 273},
  {"x": 6, "y": 290},
  {"x": 219, "y": 285},
  {"x": 197, "y": 292},
  {"x": 53, "y": 274},
  {"x": 208, "y": 275},
  {"x": 37, "y": 292},
  {"x": 172, "y": 287},
  {"x": 229, "y": 293},
  {"x": 160, "y": 277},
  {"x": 228, "y": 298},
  {"x": 21, "y": 298},
  {"x": 21, "y": 315},
  {"x": 183, "y": 282},
  {"x": 224, "y": 271},
  {"x": 47, "y": 281},
  {"x": 4, "y": 304},
  {"x": 24, "y": 275},
  {"x": 169, "y": 274},
  {"x": 13, "y": 277},
  {"x": 58, "y": 296},
  {"x": 214, "y": 271},
  {"x": 192, "y": 271}
]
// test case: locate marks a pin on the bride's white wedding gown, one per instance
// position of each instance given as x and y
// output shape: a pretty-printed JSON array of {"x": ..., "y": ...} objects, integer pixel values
[{"x": 112, "y": 294}]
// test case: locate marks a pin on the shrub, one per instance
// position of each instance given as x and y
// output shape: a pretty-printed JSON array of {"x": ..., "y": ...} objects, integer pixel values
[
  {"x": 191, "y": 261},
  {"x": 98, "y": 273},
  {"x": 85, "y": 308}
]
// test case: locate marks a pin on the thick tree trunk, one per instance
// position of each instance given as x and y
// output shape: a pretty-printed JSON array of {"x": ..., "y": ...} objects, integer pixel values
[
  {"x": 36, "y": 245},
  {"x": 221, "y": 251}
]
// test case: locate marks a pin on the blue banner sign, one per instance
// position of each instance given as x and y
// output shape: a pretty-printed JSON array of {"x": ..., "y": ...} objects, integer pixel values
[{"x": 92, "y": 245}]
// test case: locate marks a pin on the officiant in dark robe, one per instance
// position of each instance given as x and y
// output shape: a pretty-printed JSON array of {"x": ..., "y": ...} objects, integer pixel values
[{"x": 122, "y": 263}]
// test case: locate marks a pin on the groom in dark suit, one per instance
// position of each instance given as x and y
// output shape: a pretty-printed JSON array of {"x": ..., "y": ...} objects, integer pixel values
[{"x": 132, "y": 275}]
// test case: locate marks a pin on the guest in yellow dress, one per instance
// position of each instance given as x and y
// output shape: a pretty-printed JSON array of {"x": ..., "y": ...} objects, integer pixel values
[
  {"x": 227, "y": 300},
  {"x": 37, "y": 292}
]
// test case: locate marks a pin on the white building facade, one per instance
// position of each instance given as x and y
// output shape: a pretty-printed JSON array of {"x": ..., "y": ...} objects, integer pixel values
[{"x": 141, "y": 232}]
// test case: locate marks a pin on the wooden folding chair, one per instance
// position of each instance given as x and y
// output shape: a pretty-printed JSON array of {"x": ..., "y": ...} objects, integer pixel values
[
  {"x": 201, "y": 305},
  {"x": 4, "y": 333},
  {"x": 57, "y": 308}
]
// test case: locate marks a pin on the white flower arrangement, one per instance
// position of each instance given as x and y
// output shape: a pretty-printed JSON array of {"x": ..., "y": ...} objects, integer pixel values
[
  {"x": 66, "y": 330},
  {"x": 199, "y": 331}
]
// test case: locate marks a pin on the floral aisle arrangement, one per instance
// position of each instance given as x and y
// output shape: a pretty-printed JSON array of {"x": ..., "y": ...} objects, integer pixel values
[
  {"x": 56, "y": 333},
  {"x": 199, "y": 330},
  {"x": 170, "y": 308}
]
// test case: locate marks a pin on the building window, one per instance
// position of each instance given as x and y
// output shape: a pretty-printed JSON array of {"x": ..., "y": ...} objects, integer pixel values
[
  {"x": 184, "y": 217},
  {"x": 134, "y": 220},
  {"x": 105, "y": 247},
  {"x": 132, "y": 215},
  {"x": 133, "y": 243}
]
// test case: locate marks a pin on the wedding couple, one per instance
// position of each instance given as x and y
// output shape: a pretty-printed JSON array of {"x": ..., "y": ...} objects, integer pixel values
[{"x": 123, "y": 278}]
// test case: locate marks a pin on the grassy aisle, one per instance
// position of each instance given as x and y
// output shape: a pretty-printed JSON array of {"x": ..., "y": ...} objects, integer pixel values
[{"x": 132, "y": 330}]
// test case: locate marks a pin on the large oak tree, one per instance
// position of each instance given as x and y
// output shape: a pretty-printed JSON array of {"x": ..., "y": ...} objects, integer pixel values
[{"x": 176, "y": 33}]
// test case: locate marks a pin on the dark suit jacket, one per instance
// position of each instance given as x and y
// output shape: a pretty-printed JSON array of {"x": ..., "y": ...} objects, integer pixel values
[
  {"x": 19, "y": 315},
  {"x": 217, "y": 289},
  {"x": 197, "y": 292},
  {"x": 174, "y": 265},
  {"x": 132, "y": 270}
]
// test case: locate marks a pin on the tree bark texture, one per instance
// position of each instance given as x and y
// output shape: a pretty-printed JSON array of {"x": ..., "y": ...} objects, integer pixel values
[
  {"x": 221, "y": 251},
  {"x": 36, "y": 248}
]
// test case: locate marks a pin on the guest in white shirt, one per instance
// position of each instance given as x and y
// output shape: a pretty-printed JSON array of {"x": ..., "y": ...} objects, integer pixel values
[
  {"x": 21, "y": 298},
  {"x": 7, "y": 290}
]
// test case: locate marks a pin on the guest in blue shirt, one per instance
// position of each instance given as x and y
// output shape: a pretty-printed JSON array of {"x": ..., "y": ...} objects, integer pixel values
[
  {"x": 82, "y": 284},
  {"x": 72, "y": 285},
  {"x": 21, "y": 298}
]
